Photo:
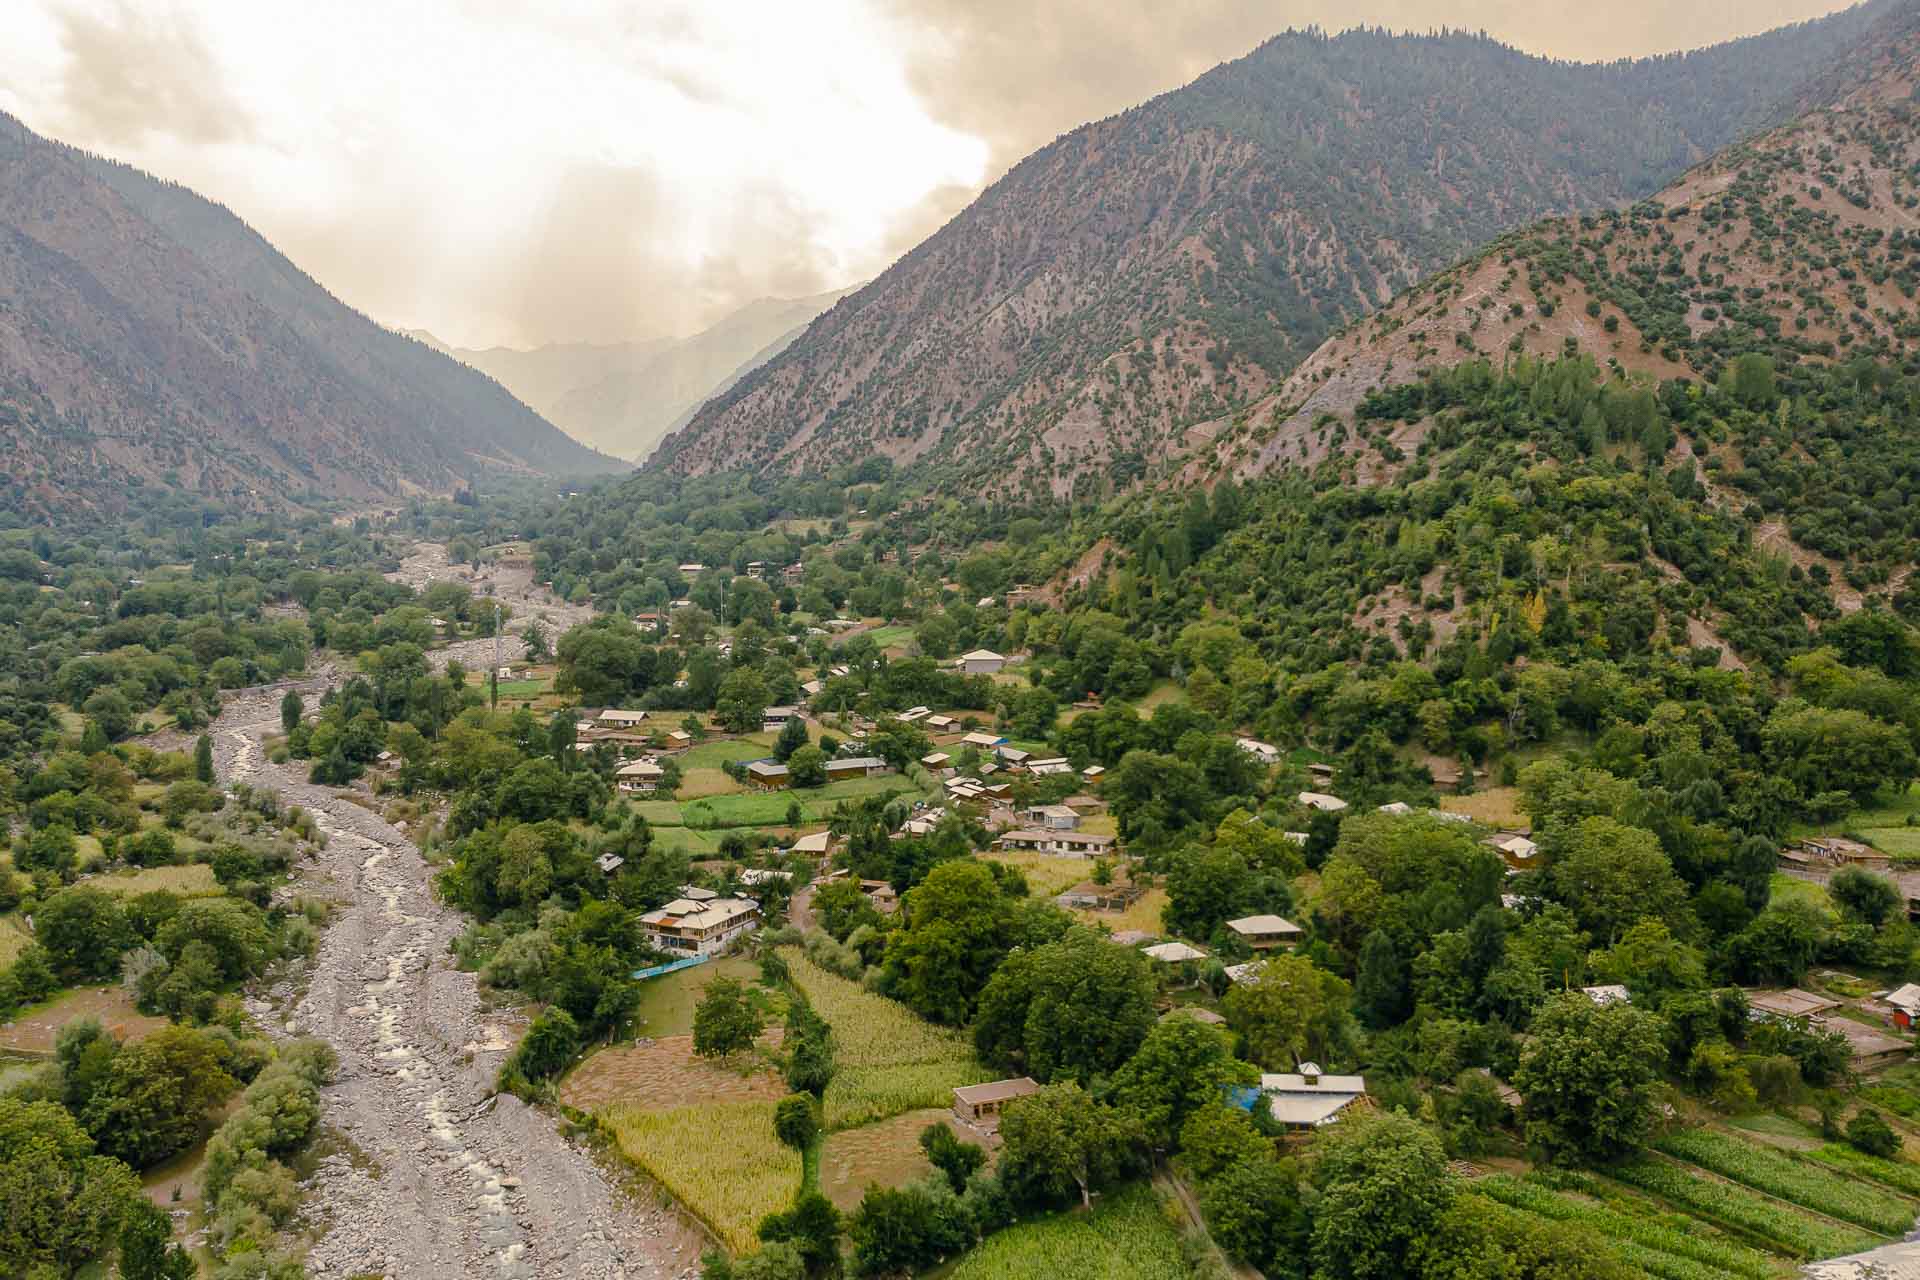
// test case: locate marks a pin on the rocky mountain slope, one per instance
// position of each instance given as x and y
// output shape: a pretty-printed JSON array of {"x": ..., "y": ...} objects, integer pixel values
[
  {"x": 1150, "y": 271},
  {"x": 151, "y": 341},
  {"x": 623, "y": 397}
]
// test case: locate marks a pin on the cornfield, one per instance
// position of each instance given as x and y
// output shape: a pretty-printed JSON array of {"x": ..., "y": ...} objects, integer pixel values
[
  {"x": 1803, "y": 1182},
  {"x": 1901, "y": 1175},
  {"x": 1798, "y": 1233},
  {"x": 720, "y": 1160},
  {"x": 1657, "y": 1246},
  {"x": 889, "y": 1059},
  {"x": 1126, "y": 1237}
]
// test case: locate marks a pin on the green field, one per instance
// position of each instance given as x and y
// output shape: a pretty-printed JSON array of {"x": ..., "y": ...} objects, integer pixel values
[
  {"x": 666, "y": 1003},
  {"x": 1656, "y": 1243},
  {"x": 711, "y": 755},
  {"x": 769, "y": 808},
  {"x": 889, "y": 637},
  {"x": 524, "y": 688},
  {"x": 1126, "y": 1237}
]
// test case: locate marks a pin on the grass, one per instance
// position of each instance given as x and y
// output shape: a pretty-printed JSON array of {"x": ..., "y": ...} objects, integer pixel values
[
  {"x": 1780, "y": 1174},
  {"x": 1787, "y": 1229},
  {"x": 1143, "y": 915},
  {"x": 1786, "y": 888},
  {"x": 695, "y": 783},
  {"x": 711, "y": 755},
  {"x": 1495, "y": 806},
  {"x": 1163, "y": 692},
  {"x": 1046, "y": 874},
  {"x": 194, "y": 880},
  {"x": 721, "y": 1161},
  {"x": 890, "y": 1059},
  {"x": 666, "y": 1003},
  {"x": 14, "y": 938},
  {"x": 890, "y": 637},
  {"x": 659, "y": 813},
  {"x": 887, "y": 1154},
  {"x": 524, "y": 688},
  {"x": 1126, "y": 1237},
  {"x": 33, "y": 1031},
  {"x": 1901, "y": 1175},
  {"x": 698, "y": 843},
  {"x": 769, "y": 808}
]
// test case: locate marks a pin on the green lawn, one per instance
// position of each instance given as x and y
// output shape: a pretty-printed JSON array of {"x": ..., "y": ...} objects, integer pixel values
[
  {"x": 700, "y": 844},
  {"x": 711, "y": 755},
  {"x": 524, "y": 688},
  {"x": 667, "y": 1002},
  {"x": 1787, "y": 888},
  {"x": 659, "y": 813},
  {"x": 1126, "y": 1237},
  {"x": 769, "y": 808},
  {"x": 887, "y": 637}
]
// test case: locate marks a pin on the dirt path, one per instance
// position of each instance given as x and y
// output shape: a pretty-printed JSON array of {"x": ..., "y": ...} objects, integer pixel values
[{"x": 446, "y": 1179}]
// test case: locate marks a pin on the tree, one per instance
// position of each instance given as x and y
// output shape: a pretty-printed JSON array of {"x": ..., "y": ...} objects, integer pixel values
[
  {"x": 1869, "y": 1131},
  {"x": 793, "y": 736},
  {"x": 1181, "y": 1066},
  {"x": 725, "y": 1021},
  {"x": 147, "y": 1251},
  {"x": 795, "y": 1122},
  {"x": 64, "y": 1203},
  {"x": 1380, "y": 989},
  {"x": 1070, "y": 1010},
  {"x": 1216, "y": 1137},
  {"x": 84, "y": 930},
  {"x": 1863, "y": 896},
  {"x": 1288, "y": 1011},
  {"x": 1383, "y": 1186},
  {"x": 958, "y": 1160},
  {"x": 808, "y": 767},
  {"x": 154, "y": 1094},
  {"x": 741, "y": 704},
  {"x": 203, "y": 759},
  {"x": 1586, "y": 1078},
  {"x": 956, "y": 932},
  {"x": 902, "y": 1230},
  {"x": 1253, "y": 1210},
  {"x": 812, "y": 1226},
  {"x": 1059, "y": 1141},
  {"x": 1611, "y": 875}
]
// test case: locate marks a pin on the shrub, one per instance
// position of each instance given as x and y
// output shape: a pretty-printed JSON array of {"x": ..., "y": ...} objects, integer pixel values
[
  {"x": 795, "y": 1121},
  {"x": 1869, "y": 1132}
]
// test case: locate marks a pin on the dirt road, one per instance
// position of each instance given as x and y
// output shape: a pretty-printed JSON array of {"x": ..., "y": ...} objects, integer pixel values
[{"x": 445, "y": 1179}]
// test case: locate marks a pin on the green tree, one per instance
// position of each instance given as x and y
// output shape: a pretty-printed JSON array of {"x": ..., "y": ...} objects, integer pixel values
[
  {"x": 955, "y": 933},
  {"x": 808, "y": 767},
  {"x": 795, "y": 1121},
  {"x": 1586, "y": 1078},
  {"x": 1380, "y": 989},
  {"x": 1060, "y": 1141},
  {"x": 725, "y": 1021},
  {"x": 1611, "y": 876},
  {"x": 64, "y": 1204},
  {"x": 84, "y": 930},
  {"x": 1253, "y": 1210},
  {"x": 957, "y": 1160},
  {"x": 1287, "y": 1011},
  {"x": 1071, "y": 1010},
  {"x": 1181, "y": 1066},
  {"x": 203, "y": 759},
  {"x": 1384, "y": 1187},
  {"x": 147, "y": 1251},
  {"x": 1863, "y": 896},
  {"x": 793, "y": 736},
  {"x": 741, "y": 704}
]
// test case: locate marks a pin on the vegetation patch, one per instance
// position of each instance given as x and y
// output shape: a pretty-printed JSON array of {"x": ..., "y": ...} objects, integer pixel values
[
  {"x": 1126, "y": 1237},
  {"x": 719, "y": 1159},
  {"x": 663, "y": 1075},
  {"x": 33, "y": 1032},
  {"x": 886, "y": 1154},
  {"x": 194, "y": 880},
  {"x": 1663, "y": 1244},
  {"x": 1792, "y": 1231},
  {"x": 1778, "y": 1173}
]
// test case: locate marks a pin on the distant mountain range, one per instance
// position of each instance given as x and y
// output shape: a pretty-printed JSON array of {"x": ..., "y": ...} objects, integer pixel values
[
  {"x": 622, "y": 398},
  {"x": 1164, "y": 269},
  {"x": 151, "y": 342}
]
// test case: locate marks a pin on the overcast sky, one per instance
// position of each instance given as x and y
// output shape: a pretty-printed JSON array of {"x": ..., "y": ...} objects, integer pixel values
[{"x": 568, "y": 170}]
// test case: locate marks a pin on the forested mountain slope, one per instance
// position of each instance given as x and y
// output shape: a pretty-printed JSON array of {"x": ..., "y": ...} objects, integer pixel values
[
  {"x": 1153, "y": 270},
  {"x": 148, "y": 337},
  {"x": 1751, "y": 324}
]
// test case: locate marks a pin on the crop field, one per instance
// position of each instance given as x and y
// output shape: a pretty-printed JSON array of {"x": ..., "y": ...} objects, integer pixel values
[
  {"x": 890, "y": 1060},
  {"x": 890, "y": 637},
  {"x": 769, "y": 808},
  {"x": 1792, "y": 1231},
  {"x": 1670, "y": 1246},
  {"x": 698, "y": 844},
  {"x": 1901, "y": 1175},
  {"x": 664, "y": 1075},
  {"x": 1046, "y": 874},
  {"x": 711, "y": 755},
  {"x": 718, "y": 1159},
  {"x": 192, "y": 881},
  {"x": 1495, "y": 806},
  {"x": 1803, "y": 1182},
  {"x": 1143, "y": 915},
  {"x": 1126, "y": 1237},
  {"x": 33, "y": 1032},
  {"x": 887, "y": 1153}
]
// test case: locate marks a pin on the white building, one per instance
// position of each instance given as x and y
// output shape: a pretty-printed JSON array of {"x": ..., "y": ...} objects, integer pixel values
[
  {"x": 686, "y": 927},
  {"x": 1308, "y": 1099},
  {"x": 982, "y": 662},
  {"x": 1324, "y": 803},
  {"x": 1264, "y": 752}
]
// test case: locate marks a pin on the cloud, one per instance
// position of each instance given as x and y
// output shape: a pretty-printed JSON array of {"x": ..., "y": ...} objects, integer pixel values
[{"x": 130, "y": 74}]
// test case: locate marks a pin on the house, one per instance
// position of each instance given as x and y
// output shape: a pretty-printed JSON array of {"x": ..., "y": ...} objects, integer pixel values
[
  {"x": 692, "y": 570},
  {"x": 1322, "y": 773},
  {"x": 913, "y": 715},
  {"x": 1093, "y": 772},
  {"x": 937, "y": 761},
  {"x": 1303, "y": 1101},
  {"x": 1241, "y": 972},
  {"x": 1132, "y": 937},
  {"x": 1321, "y": 801},
  {"x": 1195, "y": 1012},
  {"x": 1052, "y": 817},
  {"x": 1899, "y": 1261},
  {"x": 982, "y": 662},
  {"x": 1839, "y": 850},
  {"x": 680, "y": 738},
  {"x": 980, "y": 1104},
  {"x": 769, "y": 775},
  {"x": 1084, "y": 805},
  {"x": 1174, "y": 953},
  {"x": 752, "y": 876},
  {"x": 1119, "y": 893},
  {"x": 1050, "y": 767},
  {"x": 855, "y": 767},
  {"x": 1869, "y": 1049},
  {"x": 941, "y": 724},
  {"x": 1612, "y": 993},
  {"x": 641, "y": 777},
  {"x": 1398, "y": 808},
  {"x": 689, "y": 927},
  {"x": 615, "y": 718},
  {"x": 984, "y": 741},
  {"x": 1789, "y": 1004},
  {"x": 1516, "y": 848},
  {"x": 1905, "y": 1002},
  {"x": 812, "y": 688},
  {"x": 1012, "y": 755},
  {"x": 1082, "y": 843},
  {"x": 774, "y": 719},
  {"x": 609, "y": 862},
  {"x": 817, "y": 844},
  {"x": 1265, "y": 932},
  {"x": 1264, "y": 752},
  {"x": 881, "y": 893}
]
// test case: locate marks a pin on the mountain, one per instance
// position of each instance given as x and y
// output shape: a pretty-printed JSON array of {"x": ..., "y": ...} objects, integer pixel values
[
  {"x": 623, "y": 397},
  {"x": 1151, "y": 271},
  {"x": 150, "y": 340},
  {"x": 1800, "y": 245}
]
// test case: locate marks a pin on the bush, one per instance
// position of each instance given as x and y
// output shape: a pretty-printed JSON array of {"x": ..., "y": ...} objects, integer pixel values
[
  {"x": 1870, "y": 1133},
  {"x": 795, "y": 1121}
]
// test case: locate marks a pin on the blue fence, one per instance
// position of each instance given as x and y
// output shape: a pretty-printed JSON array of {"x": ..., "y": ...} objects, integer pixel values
[{"x": 659, "y": 969}]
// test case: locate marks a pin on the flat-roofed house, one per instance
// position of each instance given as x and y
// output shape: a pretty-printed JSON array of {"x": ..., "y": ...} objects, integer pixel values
[
  {"x": 982, "y": 662},
  {"x": 1085, "y": 844},
  {"x": 817, "y": 844},
  {"x": 855, "y": 767},
  {"x": 616, "y": 717},
  {"x": 642, "y": 777},
  {"x": 1790, "y": 1003},
  {"x": 774, "y": 719},
  {"x": 980, "y": 1105},
  {"x": 1265, "y": 932},
  {"x": 686, "y": 927},
  {"x": 1321, "y": 801},
  {"x": 985, "y": 741},
  {"x": 1052, "y": 817},
  {"x": 769, "y": 775},
  {"x": 1905, "y": 1003},
  {"x": 913, "y": 715},
  {"x": 1307, "y": 1099}
]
